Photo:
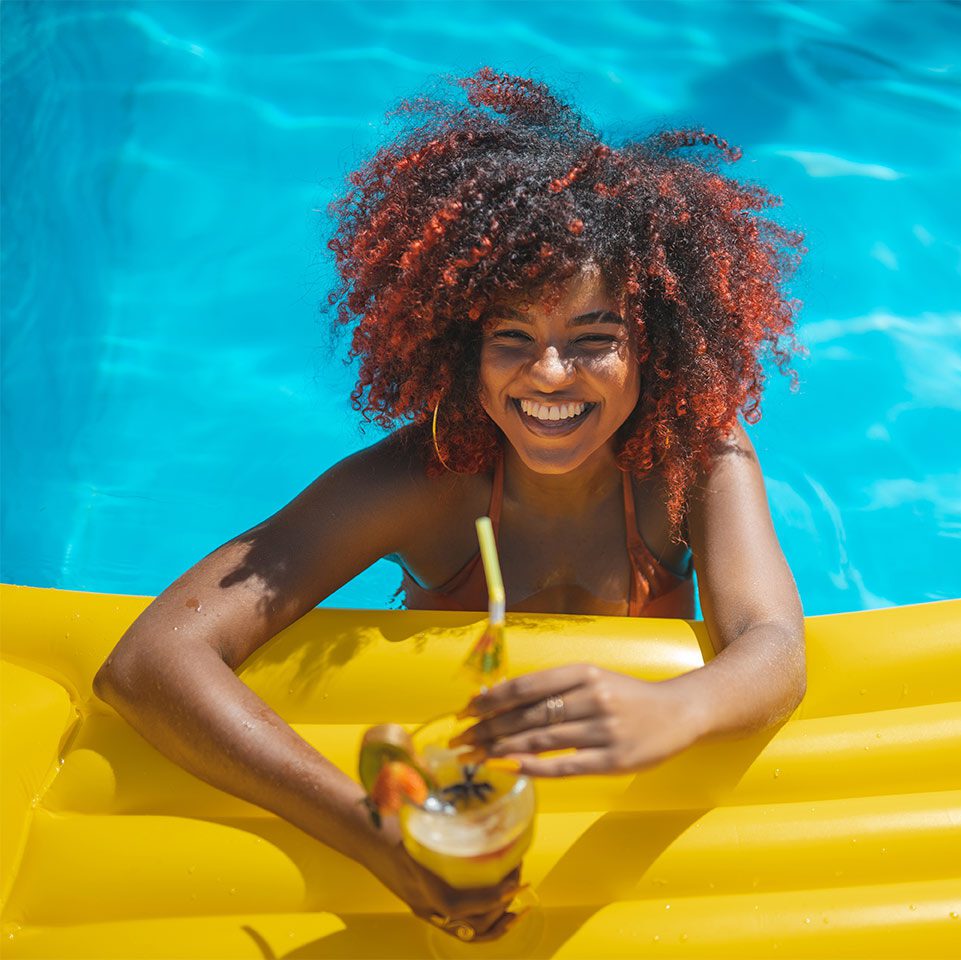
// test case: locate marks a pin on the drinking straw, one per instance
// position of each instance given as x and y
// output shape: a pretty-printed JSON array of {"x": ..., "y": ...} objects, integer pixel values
[
  {"x": 487, "y": 661},
  {"x": 492, "y": 569}
]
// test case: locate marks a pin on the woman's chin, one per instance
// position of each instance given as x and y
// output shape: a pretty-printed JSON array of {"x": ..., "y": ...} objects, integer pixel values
[{"x": 554, "y": 458}]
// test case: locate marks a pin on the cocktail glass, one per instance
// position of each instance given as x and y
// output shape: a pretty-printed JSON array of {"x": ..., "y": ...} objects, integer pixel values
[{"x": 472, "y": 831}]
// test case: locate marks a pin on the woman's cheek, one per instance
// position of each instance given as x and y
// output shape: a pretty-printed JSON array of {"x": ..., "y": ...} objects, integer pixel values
[
  {"x": 494, "y": 373},
  {"x": 613, "y": 370}
]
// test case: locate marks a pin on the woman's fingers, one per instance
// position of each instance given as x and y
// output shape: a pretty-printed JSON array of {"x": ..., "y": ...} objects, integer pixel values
[
  {"x": 530, "y": 688},
  {"x": 476, "y": 901},
  {"x": 562, "y": 736},
  {"x": 485, "y": 923},
  {"x": 593, "y": 760},
  {"x": 477, "y": 929},
  {"x": 574, "y": 705},
  {"x": 503, "y": 924}
]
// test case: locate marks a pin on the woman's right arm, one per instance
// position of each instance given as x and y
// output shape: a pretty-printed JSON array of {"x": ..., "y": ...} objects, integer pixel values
[{"x": 171, "y": 676}]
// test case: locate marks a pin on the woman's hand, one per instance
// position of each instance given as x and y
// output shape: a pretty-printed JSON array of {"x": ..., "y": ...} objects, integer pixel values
[
  {"x": 614, "y": 723},
  {"x": 476, "y": 914}
]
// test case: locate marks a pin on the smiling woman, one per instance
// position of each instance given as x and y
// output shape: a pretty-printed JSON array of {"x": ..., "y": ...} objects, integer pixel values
[
  {"x": 552, "y": 372},
  {"x": 564, "y": 334}
]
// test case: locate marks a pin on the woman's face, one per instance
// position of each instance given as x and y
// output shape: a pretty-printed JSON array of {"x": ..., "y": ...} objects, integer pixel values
[{"x": 559, "y": 382}]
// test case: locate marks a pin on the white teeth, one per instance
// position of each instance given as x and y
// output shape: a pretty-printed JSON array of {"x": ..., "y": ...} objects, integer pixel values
[{"x": 563, "y": 411}]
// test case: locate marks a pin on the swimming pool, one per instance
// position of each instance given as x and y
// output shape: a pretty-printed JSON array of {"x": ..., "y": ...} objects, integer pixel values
[{"x": 166, "y": 378}]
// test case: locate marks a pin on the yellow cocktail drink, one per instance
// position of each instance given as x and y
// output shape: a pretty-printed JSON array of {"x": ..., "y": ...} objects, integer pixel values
[{"x": 481, "y": 830}]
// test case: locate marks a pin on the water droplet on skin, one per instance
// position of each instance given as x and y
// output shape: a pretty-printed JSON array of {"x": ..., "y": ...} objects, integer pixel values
[
  {"x": 807, "y": 919},
  {"x": 683, "y": 936},
  {"x": 877, "y": 736},
  {"x": 667, "y": 906},
  {"x": 657, "y": 938},
  {"x": 233, "y": 890},
  {"x": 777, "y": 773},
  {"x": 825, "y": 920},
  {"x": 862, "y": 691},
  {"x": 912, "y": 906},
  {"x": 953, "y": 914}
]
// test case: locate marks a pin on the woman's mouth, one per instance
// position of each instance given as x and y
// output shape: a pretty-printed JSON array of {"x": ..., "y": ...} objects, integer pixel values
[{"x": 552, "y": 419}]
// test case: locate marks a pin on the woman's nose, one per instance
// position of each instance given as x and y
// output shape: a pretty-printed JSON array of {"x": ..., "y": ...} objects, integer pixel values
[{"x": 551, "y": 369}]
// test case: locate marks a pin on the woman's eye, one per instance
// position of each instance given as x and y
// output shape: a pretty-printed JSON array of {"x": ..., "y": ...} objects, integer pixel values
[
  {"x": 596, "y": 340},
  {"x": 510, "y": 335}
]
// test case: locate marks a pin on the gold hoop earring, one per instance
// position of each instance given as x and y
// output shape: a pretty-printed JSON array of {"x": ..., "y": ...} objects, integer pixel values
[{"x": 433, "y": 431}]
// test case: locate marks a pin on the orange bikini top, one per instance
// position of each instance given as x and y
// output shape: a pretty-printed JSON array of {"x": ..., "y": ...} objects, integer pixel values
[{"x": 656, "y": 591}]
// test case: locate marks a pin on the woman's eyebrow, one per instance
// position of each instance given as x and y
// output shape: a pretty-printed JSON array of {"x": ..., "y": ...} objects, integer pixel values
[{"x": 595, "y": 316}]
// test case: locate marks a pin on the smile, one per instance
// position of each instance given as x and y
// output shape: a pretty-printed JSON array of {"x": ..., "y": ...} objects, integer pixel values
[
  {"x": 552, "y": 419},
  {"x": 543, "y": 411}
]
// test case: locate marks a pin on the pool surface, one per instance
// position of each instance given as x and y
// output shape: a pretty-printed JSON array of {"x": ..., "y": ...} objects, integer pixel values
[{"x": 168, "y": 381}]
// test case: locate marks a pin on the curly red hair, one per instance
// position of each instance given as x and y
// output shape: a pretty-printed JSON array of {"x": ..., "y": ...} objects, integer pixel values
[{"x": 511, "y": 195}]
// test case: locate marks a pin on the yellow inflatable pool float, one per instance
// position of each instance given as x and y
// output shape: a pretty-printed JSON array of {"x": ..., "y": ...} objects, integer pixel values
[{"x": 836, "y": 835}]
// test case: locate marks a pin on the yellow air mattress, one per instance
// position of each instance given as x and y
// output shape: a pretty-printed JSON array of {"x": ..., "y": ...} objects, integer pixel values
[{"x": 837, "y": 835}]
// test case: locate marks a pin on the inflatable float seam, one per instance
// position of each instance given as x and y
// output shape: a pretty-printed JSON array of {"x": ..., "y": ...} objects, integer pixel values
[
  {"x": 8, "y": 888},
  {"x": 829, "y": 850}
]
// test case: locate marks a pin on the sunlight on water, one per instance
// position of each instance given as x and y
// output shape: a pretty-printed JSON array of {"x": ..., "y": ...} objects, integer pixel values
[{"x": 166, "y": 375}]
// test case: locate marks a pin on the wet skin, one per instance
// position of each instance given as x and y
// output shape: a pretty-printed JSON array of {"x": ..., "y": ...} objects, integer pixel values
[{"x": 173, "y": 673}]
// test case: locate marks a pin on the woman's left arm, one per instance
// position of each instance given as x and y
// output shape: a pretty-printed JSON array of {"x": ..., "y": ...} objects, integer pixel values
[
  {"x": 749, "y": 601},
  {"x": 753, "y": 614}
]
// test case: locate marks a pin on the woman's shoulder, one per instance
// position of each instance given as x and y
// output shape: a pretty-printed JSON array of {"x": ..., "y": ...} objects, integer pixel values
[
  {"x": 394, "y": 473},
  {"x": 399, "y": 463},
  {"x": 434, "y": 513}
]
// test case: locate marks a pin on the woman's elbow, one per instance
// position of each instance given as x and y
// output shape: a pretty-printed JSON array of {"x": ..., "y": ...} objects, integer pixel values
[
  {"x": 799, "y": 676},
  {"x": 105, "y": 681}
]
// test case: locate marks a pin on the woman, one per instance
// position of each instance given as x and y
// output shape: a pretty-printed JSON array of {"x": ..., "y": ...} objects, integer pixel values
[{"x": 567, "y": 332}]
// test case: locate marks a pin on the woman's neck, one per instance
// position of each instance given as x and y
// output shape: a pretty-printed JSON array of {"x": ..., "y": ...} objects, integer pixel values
[{"x": 556, "y": 495}]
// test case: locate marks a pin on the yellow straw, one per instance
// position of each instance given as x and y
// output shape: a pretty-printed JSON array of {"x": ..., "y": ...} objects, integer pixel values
[
  {"x": 486, "y": 663},
  {"x": 492, "y": 570}
]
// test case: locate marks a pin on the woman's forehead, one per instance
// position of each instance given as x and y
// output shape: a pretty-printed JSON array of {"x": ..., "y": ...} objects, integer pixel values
[{"x": 584, "y": 291}]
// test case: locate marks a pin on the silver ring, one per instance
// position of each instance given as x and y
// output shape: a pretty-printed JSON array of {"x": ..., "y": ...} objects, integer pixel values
[
  {"x": 456, "y": 928},
  {"x": 555, "y": 709}
]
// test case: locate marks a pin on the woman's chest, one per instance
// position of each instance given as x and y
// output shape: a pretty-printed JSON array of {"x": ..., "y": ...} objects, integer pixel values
[
  {"x": 567, "y": 567},
  {"x": 569, "y": 562}
]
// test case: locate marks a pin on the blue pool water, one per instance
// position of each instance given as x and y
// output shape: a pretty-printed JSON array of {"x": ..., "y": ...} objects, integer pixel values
[{"x": 167, "y": 381}]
